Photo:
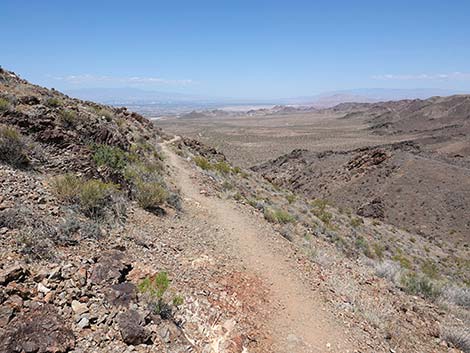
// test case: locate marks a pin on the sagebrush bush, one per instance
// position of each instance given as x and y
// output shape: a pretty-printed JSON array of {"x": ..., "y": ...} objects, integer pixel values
[
  {"x": 143, "y": 171},
  {"x": 14, "y": 148},
  {"x": 112, "y": 157},
  {"x": 388, "y": 269},
  {"x": 222, "y": 167},
  {"x": 53, "y": 102},
  {"x": 278, "y": 216},
  {"x": 458, "y": 336},
  {"x": 419, "y": 285},
  {"x": 356, "y": 222},
  {"x": 150, "y": 195},
  {"x": 202, "y": 163},
  {"x": 68, "y": 117},
  {"x": 457, "y": 295},
  {"x": 4, "y": 105},
  {"x": 94, "y": 195},
  {"x": 66, "y": 187}
]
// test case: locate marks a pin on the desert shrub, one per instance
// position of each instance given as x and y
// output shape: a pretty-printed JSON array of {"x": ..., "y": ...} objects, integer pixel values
[
  {"x": 150, "y": 195},
  {"x": 112, "y": 157},
  {"x": 67, "y": 187},
  {"x": 14, "y": 148},
  {"x": 4, "y": 105},
  {"x": 278, "y": 216},
  {"x": 222, "y": 167},
  {"x": 174, "y": 200},
  {"x": 458, "y": 336},
  {"x": 143, "y": 171},
  {"x": 155, "y": 288},
  {"x": 103, "y": 112},
  {"x": 416, "y": 284},
  {"x": 202, "y": 163},
  {"x": 290, "y": 198},
  {"x": 16, "y": 217},
  {"x": 68, "y": 117},
  {"x": 362, "y": 244},
  {"x": 402, "y": 259},
  {"x": 91, "y": 195},
  {"x": 356, "y": 222},
  {"x": 388, "y": 269},
  {"x": 429, "y": 268},
  {"x": 53, "y": 102},
  {"x": 94, "y": 196},
  {"x": 457, "y": 295},
  {"x": 378, "y": 250},
  {"x": 34, "y": 245},
  {"x": 324, "y": 216},
  {"x": 74, "y": 228},
  {"x": 319, "y": 203}
]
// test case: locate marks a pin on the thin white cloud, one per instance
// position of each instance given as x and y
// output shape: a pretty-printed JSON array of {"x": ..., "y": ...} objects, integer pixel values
[
  {"x": 93, "y": 79},
  {"x": 457, "y": 76}
]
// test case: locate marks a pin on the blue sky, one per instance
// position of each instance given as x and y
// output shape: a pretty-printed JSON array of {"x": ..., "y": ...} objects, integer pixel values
[{"x": 243, "y": 48}]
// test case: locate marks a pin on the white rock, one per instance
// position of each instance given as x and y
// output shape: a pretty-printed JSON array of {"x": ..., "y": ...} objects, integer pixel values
[{"x": 43, "y": 289}]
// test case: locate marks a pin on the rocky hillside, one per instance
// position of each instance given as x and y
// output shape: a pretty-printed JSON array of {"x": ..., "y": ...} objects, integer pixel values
[{"x": 92, "y": 236}]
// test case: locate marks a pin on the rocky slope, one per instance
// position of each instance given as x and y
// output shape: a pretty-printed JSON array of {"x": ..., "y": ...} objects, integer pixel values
[{"x": 96, "y": 253}]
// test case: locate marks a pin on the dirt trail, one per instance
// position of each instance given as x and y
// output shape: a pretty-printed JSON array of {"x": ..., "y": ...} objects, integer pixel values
[{"x": 299, "y": 321}]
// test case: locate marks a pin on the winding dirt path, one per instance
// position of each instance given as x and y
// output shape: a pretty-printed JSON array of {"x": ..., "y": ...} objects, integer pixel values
[{"x": 299, "y": 320}]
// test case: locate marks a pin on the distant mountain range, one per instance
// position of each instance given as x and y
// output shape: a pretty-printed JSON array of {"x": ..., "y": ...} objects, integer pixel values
[
  {"x": 368, "y": 95},
  {"x": 171, "y": 101}
]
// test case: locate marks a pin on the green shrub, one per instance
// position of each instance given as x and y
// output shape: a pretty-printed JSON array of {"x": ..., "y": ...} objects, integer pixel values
[
  {"x": 320, "y": 211},
  {"x": 404, "y": 261},
  {"x": 278, "y": 216},
  {"x": 112, "y": 157},
  {"x": 67, "y": 187},
  {"x": 202, "y": 163},
  {"x": 150, "y": 195},
  {"x": 4, "y": 105},
  {"x": 14, "y": 149},
  {"x": 319, "y": 203},
  {"x": 103, "y": 112},
  {"x": 430, "y": 269},
  {"x": 363, "y": 245},
  {"x": 68, "y": 117},
  {"x": 143, "y": 171},
  {"x": 378, "y": 250},
  {"x": 91, "y": 195},
  {"x": 53, "y": 102},
  {"x": 290, "y": 198},
  {"x": 94, "y": 195},
  {"x": 419, "y": 285},
  {"x": 222, "y": 167},
  {"x": 155, "y": 288},
  {"x": 356, "y": 222}
]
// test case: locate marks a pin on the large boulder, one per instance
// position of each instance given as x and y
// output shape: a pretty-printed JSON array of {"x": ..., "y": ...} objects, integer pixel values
[{"x": 42, "y": 330}]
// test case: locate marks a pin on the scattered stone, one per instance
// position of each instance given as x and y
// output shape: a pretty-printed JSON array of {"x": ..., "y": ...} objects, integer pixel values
[
  {"x": 131, "y": 327},
  {"x": 43, "y": 289},
  {"x": 13, "y": 273},
  {"x": 79, "y": 308},
  {"x": 110, "y": 268},
  {"x": 83, "y": 323},
  {"x": 121, "y": 294},
  {"x": 41, "y": 330}
]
